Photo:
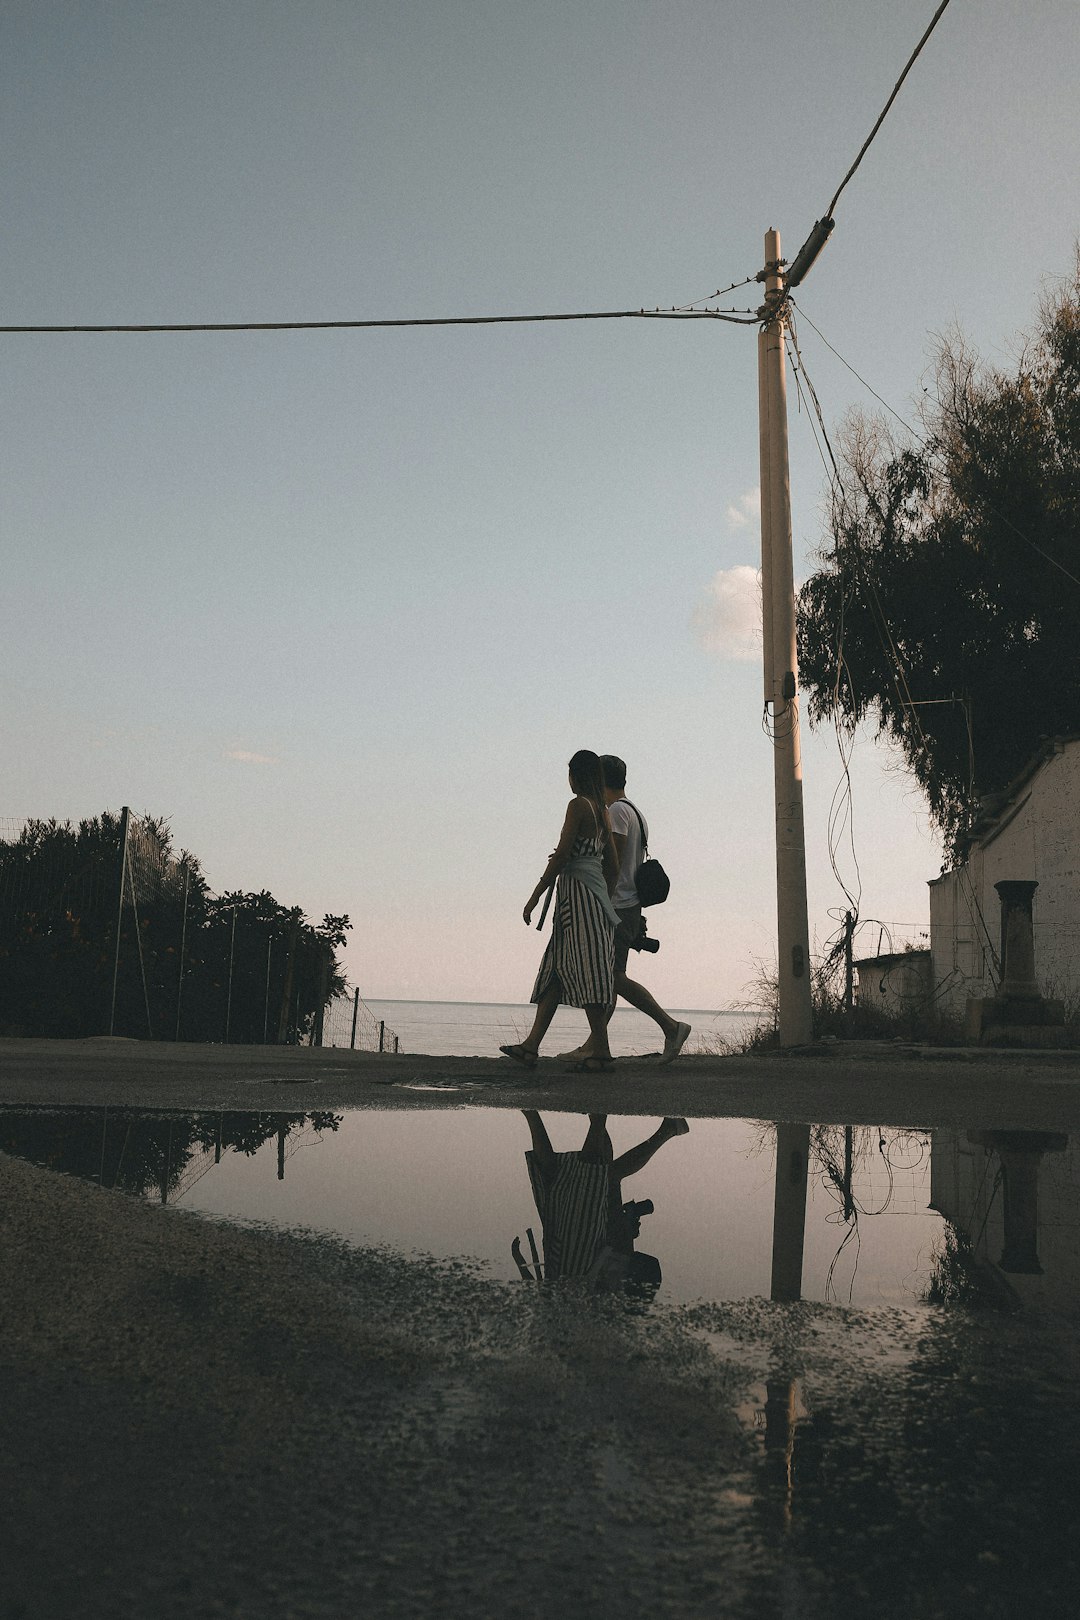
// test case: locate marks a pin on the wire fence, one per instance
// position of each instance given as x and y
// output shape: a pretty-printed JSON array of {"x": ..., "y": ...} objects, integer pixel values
[
  {"x": 350, "y": 1022},
  {"x": 106, "y": 930}
]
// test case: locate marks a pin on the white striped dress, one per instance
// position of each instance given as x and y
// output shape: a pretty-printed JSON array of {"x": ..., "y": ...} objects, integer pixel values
[{"x": 581, "y": 951}]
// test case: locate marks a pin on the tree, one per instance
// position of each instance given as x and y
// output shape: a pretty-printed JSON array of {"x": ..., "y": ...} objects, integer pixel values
[
  {"x": 189, "y": 964},
  {"x": 947, "y": 603}
]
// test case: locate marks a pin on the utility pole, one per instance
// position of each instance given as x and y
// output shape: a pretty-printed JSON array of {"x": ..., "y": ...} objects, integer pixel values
[{"x": 781, "y": 670}]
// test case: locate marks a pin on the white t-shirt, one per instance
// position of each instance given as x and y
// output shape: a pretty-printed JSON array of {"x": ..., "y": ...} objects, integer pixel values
[{"x": 625, "y": 824}]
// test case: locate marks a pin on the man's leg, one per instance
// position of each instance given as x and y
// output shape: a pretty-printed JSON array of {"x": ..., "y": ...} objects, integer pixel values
[
  {"x": 636, "y": 1158},
  {"x": 675, "y": 1033}
]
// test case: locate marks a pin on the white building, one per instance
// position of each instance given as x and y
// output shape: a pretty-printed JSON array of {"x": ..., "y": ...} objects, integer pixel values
[{"x": 1028, "y": 832}]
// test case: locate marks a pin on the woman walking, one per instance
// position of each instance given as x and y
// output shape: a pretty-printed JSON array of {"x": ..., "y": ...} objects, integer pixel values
[{"x": 578, "y": 967}]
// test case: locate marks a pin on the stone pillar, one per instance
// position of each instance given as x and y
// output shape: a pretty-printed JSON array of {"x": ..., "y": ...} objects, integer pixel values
[
  {"x": 1017, "y": 1015},
  {"x": 1017, "y": 939}
]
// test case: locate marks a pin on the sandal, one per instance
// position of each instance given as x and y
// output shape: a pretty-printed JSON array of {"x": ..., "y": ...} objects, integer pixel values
[{"x": 520, "y": 1054}]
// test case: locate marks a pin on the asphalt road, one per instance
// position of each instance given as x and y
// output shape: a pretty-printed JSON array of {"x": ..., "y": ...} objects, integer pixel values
[{"x": 862, "y": 1083}]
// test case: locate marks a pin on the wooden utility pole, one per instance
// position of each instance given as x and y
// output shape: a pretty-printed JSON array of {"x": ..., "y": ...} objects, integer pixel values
[{"x": 781, "y": 670}]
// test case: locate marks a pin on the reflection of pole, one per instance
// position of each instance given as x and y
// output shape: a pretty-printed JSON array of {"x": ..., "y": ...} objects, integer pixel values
[
  {"x": 780, "y": 1421},
  {"x": 125, "y": 819},
  {"x": 849, "y": 1146},
  {"x": 789, "y": 1211},
  {"x": 281, "y": 1135}
]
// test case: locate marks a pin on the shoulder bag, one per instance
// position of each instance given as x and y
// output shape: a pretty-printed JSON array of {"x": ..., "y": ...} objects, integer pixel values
[{"x": 651, "y": 881}]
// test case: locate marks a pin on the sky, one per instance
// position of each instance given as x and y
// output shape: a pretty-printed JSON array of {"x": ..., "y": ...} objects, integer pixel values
[{"x": 341, "y": 605}]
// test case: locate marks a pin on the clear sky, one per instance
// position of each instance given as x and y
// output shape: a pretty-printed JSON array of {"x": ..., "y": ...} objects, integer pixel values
[{"x": 342, "y": 605}]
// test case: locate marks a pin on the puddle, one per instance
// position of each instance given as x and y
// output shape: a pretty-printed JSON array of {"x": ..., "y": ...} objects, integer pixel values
[
  {"x": 899, "y": 1442},
  {"x": 892, "y": 1217}
]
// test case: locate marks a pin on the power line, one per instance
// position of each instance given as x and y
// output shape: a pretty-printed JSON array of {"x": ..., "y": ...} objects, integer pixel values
[
  {"x": 804, "y": 316},
  {"x": 735, "y": 317},
  {"x": 881, "y": 117}
]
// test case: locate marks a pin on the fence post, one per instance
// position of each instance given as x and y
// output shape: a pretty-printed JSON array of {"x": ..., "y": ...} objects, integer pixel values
[
  {"x": 228, "y": 998},
  {"x": 266, "y": 999},
  {"x": 355, "y": 1015},
  {"x": 183, "y": 942},
  {"x": 382, "y": 1033},
  {"x": 125, "y": 819},
  {"x": 290, "y": 970},
  {"x": 322, "y": 993}
]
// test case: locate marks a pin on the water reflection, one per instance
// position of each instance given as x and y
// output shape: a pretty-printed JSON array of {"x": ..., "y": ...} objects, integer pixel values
[
  {"x": 742, "y": 1208},
  {"x": 589, "y": 1233},
  {"x": 1012, "y": 1203},
  {"x": 158, "y": 1156}
]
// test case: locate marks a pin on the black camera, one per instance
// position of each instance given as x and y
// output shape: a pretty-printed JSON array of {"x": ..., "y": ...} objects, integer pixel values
[
  {"x": 643, "y": 942},
  {"x": 632, "y": 1213}
]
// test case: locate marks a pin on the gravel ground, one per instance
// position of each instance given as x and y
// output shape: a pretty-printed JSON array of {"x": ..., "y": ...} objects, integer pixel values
[{"x": 200, "y": 1419}]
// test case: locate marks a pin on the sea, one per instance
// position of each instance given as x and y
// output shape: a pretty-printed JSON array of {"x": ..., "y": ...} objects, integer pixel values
[{"x": 479, "y": 1028}]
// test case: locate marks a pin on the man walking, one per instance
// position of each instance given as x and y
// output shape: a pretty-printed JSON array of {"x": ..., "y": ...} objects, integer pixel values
[{"x": 631, "y": 832}]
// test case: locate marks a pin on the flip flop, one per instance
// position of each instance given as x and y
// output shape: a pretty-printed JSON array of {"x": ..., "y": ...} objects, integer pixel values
[{"x": 520, "y": 1055}]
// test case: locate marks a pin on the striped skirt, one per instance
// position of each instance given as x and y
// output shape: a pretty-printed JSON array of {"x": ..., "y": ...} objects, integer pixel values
[
  {"x": 581, "y": 951},
  {"x": 572, "y": 1203}
]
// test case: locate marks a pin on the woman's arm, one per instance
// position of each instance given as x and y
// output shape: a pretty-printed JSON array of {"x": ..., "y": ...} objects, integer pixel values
[{"x": 559, "y": 855}]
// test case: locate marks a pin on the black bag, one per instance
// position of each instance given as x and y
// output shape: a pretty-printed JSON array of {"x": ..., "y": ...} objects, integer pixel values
[{"x": 651, "y": 881}]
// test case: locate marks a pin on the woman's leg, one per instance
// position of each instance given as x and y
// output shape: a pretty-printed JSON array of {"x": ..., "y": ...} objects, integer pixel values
[
  {"x": 546, "y": 1008},
  {"x": 599, "y": 1050},
  {"x": 597, "y": 1143},
  {"x": 541, "y": 1141}
]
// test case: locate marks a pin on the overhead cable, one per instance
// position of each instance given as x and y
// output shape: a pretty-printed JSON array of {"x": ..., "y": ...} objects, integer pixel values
[
  {"x": 881, "y": 117},
  {"x": 447, "y": 320}
]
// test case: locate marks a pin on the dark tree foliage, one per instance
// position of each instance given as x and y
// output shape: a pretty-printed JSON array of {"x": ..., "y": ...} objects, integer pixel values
[
  {"x": 189, "y": 965},
  {"x": 947, "y": 603}
]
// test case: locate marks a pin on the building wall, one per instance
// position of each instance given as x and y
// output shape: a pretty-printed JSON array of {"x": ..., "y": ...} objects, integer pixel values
[
  {"x": 895, "y": 984},
  {"x": 1037, "y": 837}
]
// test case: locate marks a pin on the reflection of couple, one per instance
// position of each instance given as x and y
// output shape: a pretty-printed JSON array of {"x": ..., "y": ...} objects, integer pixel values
[{"x": 586, "y": 1231}]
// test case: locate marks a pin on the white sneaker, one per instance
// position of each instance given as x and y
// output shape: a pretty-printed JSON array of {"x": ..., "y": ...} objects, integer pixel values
[{"x": 675, "y": 1043}]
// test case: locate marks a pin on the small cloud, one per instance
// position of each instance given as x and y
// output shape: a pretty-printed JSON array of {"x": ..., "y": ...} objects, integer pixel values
[
  {"x": 745, "y": 510},
  {"x": 246, "y": 757},
  {"x": 728, "y": 621}
]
